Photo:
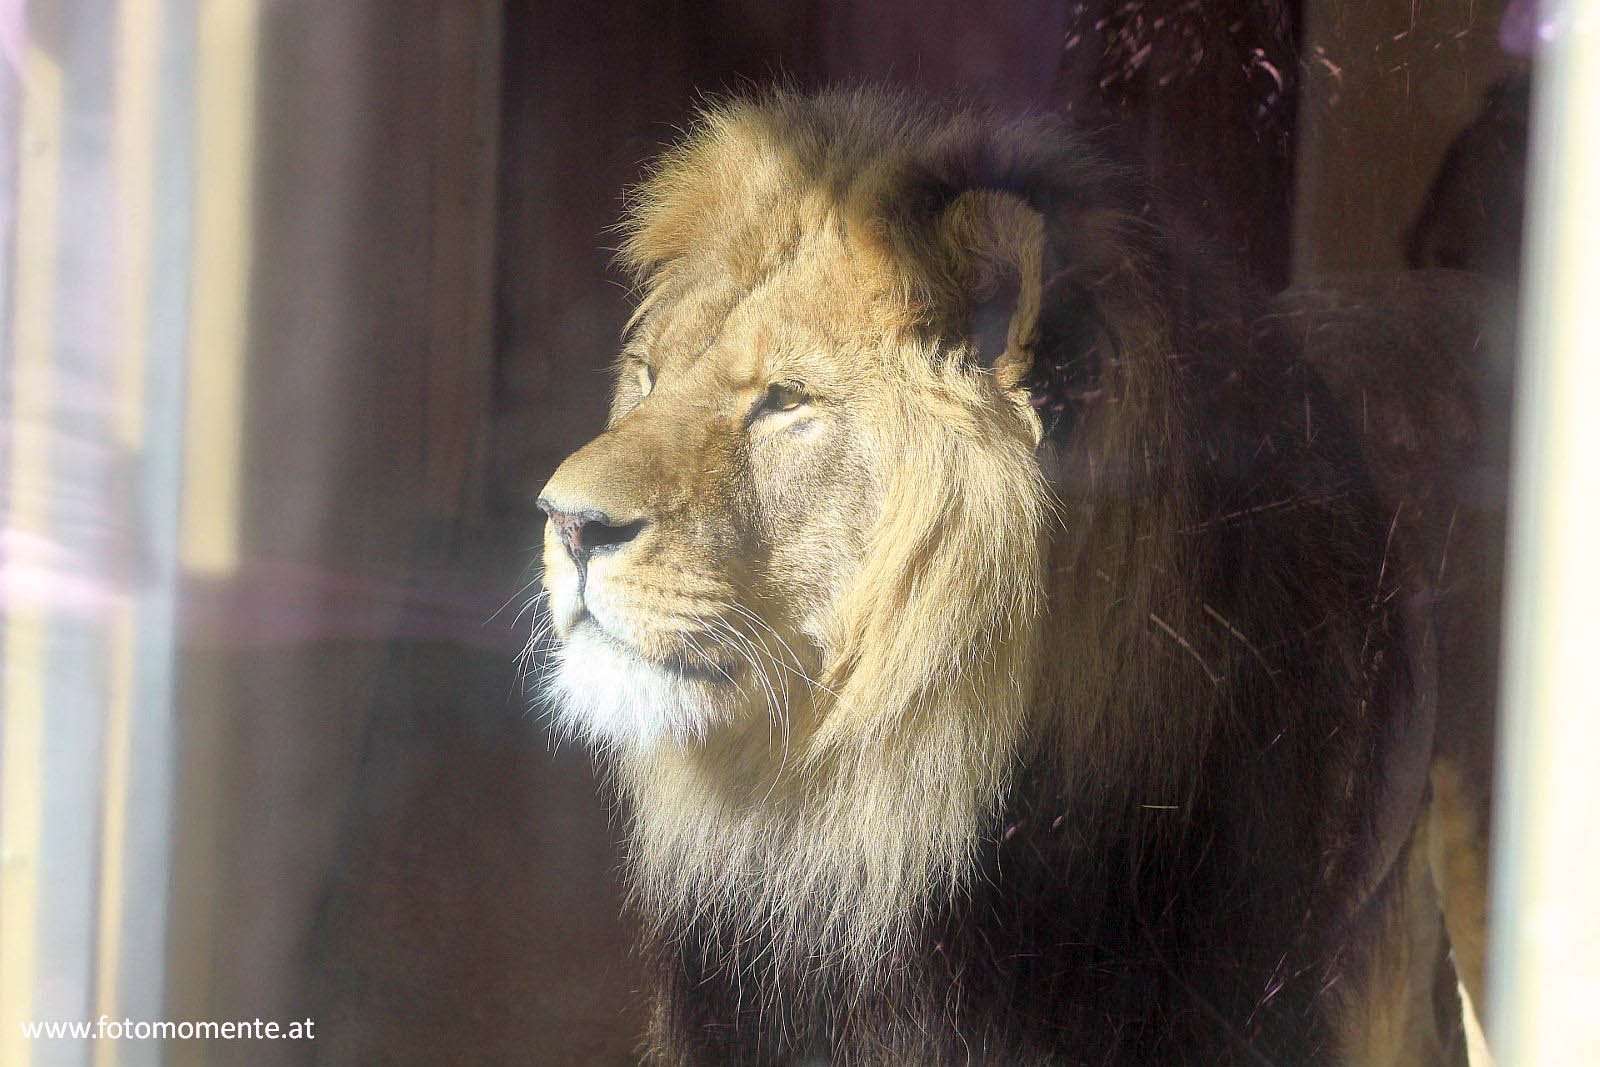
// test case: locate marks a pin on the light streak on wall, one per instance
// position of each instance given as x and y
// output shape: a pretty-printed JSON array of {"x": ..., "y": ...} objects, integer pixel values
[
  {"x": 1546, "y": 941},
  {"x": 32, "y": 387},
  {"x": 136, "y": 111},
  {"x": 93, "y": 377},
  {"x": 219, "y": 322}
]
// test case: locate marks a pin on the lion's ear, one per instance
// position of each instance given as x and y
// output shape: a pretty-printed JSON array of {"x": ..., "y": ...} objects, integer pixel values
[
  {"x": 995, "y": 244},
  {"x": 1021, "y": 241}
]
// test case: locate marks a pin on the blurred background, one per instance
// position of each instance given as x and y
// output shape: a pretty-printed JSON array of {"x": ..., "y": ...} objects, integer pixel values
[{"x": 304, "y": 299}]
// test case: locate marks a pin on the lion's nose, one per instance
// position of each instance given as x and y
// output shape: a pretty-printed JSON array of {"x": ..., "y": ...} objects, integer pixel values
[{"x": 587, "y": 533}]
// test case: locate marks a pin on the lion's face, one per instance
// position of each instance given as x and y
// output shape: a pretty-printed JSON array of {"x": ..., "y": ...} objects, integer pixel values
[
  {"x": 818, "y": 510},
  {"x": 698, "y": 548},
  {"x": 800, "y": 583}
]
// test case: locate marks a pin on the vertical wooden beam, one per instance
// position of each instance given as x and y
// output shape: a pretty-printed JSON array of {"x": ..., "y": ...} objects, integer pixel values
[
  {"x": 459, "y": 365},
  {"x": 1386, "y": 85}
]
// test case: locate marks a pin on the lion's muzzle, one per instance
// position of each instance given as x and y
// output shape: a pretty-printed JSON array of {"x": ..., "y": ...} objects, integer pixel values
[{"x": 590, "y": 532}]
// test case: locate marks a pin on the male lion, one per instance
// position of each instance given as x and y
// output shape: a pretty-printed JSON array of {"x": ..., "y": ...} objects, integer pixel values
[{"x": 994, "y": 639}]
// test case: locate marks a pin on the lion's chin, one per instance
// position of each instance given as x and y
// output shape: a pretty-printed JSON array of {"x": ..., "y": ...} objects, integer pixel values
[{"x": 610, "y": 696}]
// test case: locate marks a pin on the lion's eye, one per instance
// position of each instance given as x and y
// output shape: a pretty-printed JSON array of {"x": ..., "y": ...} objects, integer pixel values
[
  {"x": 647, "y": 379},
  {"x": 784, "y": 396}
]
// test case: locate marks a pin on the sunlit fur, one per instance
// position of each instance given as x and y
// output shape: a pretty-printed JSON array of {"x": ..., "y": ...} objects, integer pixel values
[{"x": 870, "y": 657}]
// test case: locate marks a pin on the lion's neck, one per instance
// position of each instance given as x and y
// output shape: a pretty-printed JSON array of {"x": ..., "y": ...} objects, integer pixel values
[{"x": 839, "y": 851}]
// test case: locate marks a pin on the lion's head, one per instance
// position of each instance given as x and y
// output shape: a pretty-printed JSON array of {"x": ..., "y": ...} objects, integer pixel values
[
  {"x": 953, "y": 544},
  {"x": 820, "y": 494},
  {"x": 900, "y": 483}
]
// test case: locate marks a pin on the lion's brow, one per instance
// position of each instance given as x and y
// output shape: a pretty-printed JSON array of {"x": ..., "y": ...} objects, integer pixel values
[{"x": 714, "y": 334}]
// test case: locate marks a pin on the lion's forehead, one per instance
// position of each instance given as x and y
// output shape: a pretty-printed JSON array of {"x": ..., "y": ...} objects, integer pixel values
[{"x": 815, "y": 319}]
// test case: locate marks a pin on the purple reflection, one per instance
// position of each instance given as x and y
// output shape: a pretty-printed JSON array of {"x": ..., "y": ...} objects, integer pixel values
[
  {"x": 13, "y": 33},
  {"x": 1524, "y": 29}
]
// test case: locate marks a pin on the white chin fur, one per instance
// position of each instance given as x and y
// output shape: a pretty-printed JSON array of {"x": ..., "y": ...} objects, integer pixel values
[{"x": 607, "y": 697}]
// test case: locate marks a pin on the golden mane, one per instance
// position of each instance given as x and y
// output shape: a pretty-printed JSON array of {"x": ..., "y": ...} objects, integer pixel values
[
  {"x": 1122, "y": 594},
  {"x": 923, "y": 703}
]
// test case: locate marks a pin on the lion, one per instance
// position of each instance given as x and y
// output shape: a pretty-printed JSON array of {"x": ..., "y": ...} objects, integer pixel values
[{"x": 991, "y": 635}]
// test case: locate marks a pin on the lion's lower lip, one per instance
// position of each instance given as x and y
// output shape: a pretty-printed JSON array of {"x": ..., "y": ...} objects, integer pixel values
[{"x": 689, "y": 671}]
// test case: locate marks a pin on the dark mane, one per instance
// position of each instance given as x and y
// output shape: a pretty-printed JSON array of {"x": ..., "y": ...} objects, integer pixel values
[{"x": 1177, "y": 870}]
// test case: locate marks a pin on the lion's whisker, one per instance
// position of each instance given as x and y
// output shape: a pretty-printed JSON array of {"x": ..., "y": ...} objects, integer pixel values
[{"x": 512, "y": 599}]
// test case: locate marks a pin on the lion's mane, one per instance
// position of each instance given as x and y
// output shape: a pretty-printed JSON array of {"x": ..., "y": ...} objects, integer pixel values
[{"x": 1090, "y": 757}]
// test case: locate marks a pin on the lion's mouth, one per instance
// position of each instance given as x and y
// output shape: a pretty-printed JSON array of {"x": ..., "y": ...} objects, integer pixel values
[{"x": 696, "y": 666}]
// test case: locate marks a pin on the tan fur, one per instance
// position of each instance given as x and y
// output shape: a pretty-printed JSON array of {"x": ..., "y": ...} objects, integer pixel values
[
  {"x": 898, "y": 621},
  {"x": 818, "y": 660},
  {"x": 1392, "y": 1017},
  {"x": 1459, "y": 850}
]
